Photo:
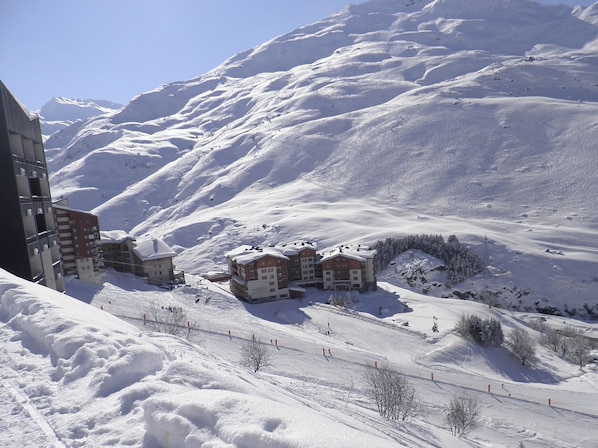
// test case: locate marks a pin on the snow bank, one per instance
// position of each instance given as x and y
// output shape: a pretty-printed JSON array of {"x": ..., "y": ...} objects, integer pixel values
[
  {"x": 96, "y": 380},
  {"x": 229, "y": 419}
]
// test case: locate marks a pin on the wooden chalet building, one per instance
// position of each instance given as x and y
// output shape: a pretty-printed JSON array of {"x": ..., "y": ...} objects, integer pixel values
[
  {"x": 261, "y": 274},
  {"x": 349, "y": 267}
]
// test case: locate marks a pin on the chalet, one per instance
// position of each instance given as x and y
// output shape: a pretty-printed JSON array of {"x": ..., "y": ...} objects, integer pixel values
[
  {"x": 258, "y": 273},
  {"x": 116, "y": 246},
  {"x": 349, "y": 267},
  {"x": 268, "y": 273},
  {"x": 303, "y": 267},
  {"x": 153, "y": 259},
  {"x": 147, "y": 258}
]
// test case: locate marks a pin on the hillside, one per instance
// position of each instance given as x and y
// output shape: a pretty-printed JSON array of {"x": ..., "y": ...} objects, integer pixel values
[
  {"x": 78, "y": 375},
  {"x": 390, "y": 117}
]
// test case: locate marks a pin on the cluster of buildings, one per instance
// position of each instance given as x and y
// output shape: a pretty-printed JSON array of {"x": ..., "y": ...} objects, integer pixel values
[
  {"x": 42, "y": 241},
  {"x": 260, "y": 274}
]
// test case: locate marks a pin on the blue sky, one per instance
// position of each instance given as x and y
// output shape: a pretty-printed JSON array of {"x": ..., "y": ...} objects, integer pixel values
[{"x": 116, "y": 49}]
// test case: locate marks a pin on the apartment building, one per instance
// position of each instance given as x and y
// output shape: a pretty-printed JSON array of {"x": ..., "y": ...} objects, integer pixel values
[
  {"x": 302, "y": 262},
  {"x": 347, "y": 268},
  {"x": 79, "y": 232},
  {"x": 269, "y": 273},
  {"x": 28, "y": 232},
  {"x": 258, "y": 273}
]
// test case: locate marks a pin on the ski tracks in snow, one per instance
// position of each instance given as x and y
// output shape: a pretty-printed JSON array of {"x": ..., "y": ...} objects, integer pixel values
[{"x": 35, "y": 415}]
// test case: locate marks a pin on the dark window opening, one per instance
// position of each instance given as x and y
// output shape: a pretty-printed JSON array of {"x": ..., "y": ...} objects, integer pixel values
[
  {"x": 40, "y": 220},
  {"x": 35, "y": 186}
]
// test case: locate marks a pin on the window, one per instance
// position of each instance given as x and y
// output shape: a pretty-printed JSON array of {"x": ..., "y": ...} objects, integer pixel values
[{"x": 271, "y": 283}]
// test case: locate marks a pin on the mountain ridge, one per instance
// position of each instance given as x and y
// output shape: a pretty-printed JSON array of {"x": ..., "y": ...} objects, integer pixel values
[{"x": 60, "y": 112}]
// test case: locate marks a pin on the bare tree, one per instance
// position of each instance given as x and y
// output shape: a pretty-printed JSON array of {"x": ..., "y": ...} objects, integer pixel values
[
  {"x": 395, "y": 398},
  {"x": 522, "y": 345},
  {"x": 579, "y": 349},
  {"x": 170, "y": 319},
  {"x": 254, "y": 354},
  {"x": 554, "y": 340},
  {"x": 462, "y": 414}
]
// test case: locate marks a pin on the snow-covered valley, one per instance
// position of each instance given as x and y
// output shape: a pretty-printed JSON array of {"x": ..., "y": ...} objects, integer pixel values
[{"x": 389, "y": 118}]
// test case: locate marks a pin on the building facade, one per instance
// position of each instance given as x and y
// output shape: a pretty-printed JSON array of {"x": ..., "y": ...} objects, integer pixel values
[
  {"x": 302, "y": 262},
  {"x": 28, "y": 231},
  {"x": 154, "y": 259},
  {"x": 258, "y": 274},
  {"x": 347, "y": 268},
  {"x": 116, "y": 247},
  {"x": 79, "y": 233}
]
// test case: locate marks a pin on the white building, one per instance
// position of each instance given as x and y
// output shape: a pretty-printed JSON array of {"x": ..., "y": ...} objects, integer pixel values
[{"x": 153, "y": 259}]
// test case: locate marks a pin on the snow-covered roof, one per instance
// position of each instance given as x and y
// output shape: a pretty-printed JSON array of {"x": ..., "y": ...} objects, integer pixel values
[
  {"x": 296, "y": 248},
  {"x": 360, "y": 253},
  {"x": 114, "y": 236},
  {"x": 247, "y": 254},
  {"x": 153, "y": 249}
]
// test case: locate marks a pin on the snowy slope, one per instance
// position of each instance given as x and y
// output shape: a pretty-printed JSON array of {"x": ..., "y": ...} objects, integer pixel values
[
  {"x": 59, "y": 112},
  {"x": 75, "y": 375},
  {"x": 390, "y": 117}
]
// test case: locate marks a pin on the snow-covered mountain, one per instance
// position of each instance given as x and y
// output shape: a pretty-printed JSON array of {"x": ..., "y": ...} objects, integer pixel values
[
  {"x": 59, "y": 112},
  {"x": 473, "y": 117},
  {"x": 390, "y": 117}
]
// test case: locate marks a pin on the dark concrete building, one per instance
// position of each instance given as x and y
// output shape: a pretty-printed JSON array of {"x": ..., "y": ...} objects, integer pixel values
[{"x": 30, "y": 247}]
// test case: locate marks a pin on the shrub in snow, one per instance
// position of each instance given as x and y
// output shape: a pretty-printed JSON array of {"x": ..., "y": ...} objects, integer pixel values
[
  {"x": 482, "y": 331},
  {"x": 254, "y": 354},
  {"x": 169, "y": 319},
  {"x": 555, "y": 341},
  {"x": 462, "y": 415},
  {"x": 579, "y": 349},
  {"x": 522, "y": 345},
  {"x": 569, "y": 343},
  {"x": 395, "y": 398}
]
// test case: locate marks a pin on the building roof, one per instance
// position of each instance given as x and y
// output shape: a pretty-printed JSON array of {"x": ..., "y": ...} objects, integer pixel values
[
  {"x": 69, "y": 209},
  {"x": 248, "y": 254},
  {"x": 360, "y": 253},
  {"x": 296, "y": 248},
  {"x": 153, "y": 249},
  {"x": 114, "y": 236}
]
